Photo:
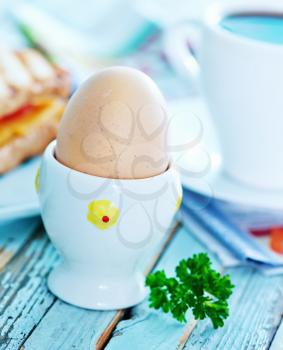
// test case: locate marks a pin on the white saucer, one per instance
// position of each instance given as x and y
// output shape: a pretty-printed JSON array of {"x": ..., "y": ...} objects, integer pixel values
[{"x": 201, "y": 164}]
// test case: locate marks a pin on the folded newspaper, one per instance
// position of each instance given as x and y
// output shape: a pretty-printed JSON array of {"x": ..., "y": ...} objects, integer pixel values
[{"x": 226, "y": 228}]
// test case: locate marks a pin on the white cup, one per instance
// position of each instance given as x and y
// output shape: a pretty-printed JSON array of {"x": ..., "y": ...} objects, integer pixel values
[
  {"x": 242, "y": 82},
  {"x": 103, "y": 228}
]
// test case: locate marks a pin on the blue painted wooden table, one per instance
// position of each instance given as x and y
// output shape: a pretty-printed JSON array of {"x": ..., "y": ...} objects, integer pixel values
[{"x": 33, "y": 319}]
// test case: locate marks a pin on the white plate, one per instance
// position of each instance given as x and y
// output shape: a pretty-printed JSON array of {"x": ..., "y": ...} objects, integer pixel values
[
  {"x": 201, "y": 164},
  {"x": 18, "y": 197}
]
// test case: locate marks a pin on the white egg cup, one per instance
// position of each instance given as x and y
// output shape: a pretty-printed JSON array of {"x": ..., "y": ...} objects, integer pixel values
[{"x": 102, "y": 229}]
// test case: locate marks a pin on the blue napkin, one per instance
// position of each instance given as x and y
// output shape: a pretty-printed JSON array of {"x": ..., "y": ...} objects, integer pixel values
[{"x": 233, "y": 245}]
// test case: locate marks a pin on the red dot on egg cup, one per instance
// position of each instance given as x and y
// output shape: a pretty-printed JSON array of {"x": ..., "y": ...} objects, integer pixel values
[{"x": 105, "y": 219}]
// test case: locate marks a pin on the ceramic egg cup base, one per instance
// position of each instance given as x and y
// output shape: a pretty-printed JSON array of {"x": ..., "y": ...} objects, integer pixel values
[
  {"x": 101, "y": 259},
  {"x": 90, "y": 292}
]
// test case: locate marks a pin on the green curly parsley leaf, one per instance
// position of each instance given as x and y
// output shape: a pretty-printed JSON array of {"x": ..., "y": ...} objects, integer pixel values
[{"x": 196, "y": 286}]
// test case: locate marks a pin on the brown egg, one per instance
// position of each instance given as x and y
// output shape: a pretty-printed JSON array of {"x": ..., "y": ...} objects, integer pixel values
[{"x": 115, "y": 126}]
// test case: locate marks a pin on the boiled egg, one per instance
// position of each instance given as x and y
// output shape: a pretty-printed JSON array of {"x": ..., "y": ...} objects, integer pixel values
[{"x": 115, "y": 126}]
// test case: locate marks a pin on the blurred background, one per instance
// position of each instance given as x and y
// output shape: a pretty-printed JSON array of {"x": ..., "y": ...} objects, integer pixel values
[{"x": 85, "y": 36}]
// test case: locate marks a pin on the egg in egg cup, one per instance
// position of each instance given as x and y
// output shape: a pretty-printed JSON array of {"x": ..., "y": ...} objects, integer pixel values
[{"x": 107, "y": 188}]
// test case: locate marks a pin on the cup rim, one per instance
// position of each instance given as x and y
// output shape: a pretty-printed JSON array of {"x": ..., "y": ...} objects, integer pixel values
[
  {"x": 49, "y": 154},
  {"x": 218, "y": 10}
]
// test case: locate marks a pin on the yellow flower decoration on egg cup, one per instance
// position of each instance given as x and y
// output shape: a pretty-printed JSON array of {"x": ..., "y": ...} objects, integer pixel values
[
  {"x": 36, "y": 180},
  {"x": 178, "y": 203},
  {"x": 102, "y": 213}
]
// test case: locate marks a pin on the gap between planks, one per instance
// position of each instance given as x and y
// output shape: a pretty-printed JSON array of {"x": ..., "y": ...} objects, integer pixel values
[
  {"x": 12, "y": 244},
  {"x": 186, "y": 334},
  {"x": 106, "y": 335},
  {"x": 276, "y": 341}
]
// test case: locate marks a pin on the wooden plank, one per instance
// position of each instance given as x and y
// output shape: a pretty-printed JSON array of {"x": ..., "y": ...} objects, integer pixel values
[
  {"x": 23, "y": 291},
  {"x": 277, "y": 343},
  {"x": 256, "y": 309},
  {"x": 13, "y": 236},
  {"x": 149, "y": 266},
  {"x": 67, "y": 327},
  {"x": 152, "y": 329}
]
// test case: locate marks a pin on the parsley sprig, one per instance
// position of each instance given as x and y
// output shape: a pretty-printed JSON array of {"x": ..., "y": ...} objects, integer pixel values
[{"x": 196, "y": 286}]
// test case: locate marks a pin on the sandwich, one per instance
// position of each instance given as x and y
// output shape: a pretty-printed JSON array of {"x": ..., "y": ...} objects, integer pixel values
[{"x": 33, "y": 94}]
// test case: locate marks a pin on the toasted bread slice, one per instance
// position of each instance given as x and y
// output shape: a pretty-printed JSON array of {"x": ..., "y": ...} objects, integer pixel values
[
  {"x": 33, "y": 94},
  {"x": 26, "y": 76},
  {"x": 25, "y": 138}
]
